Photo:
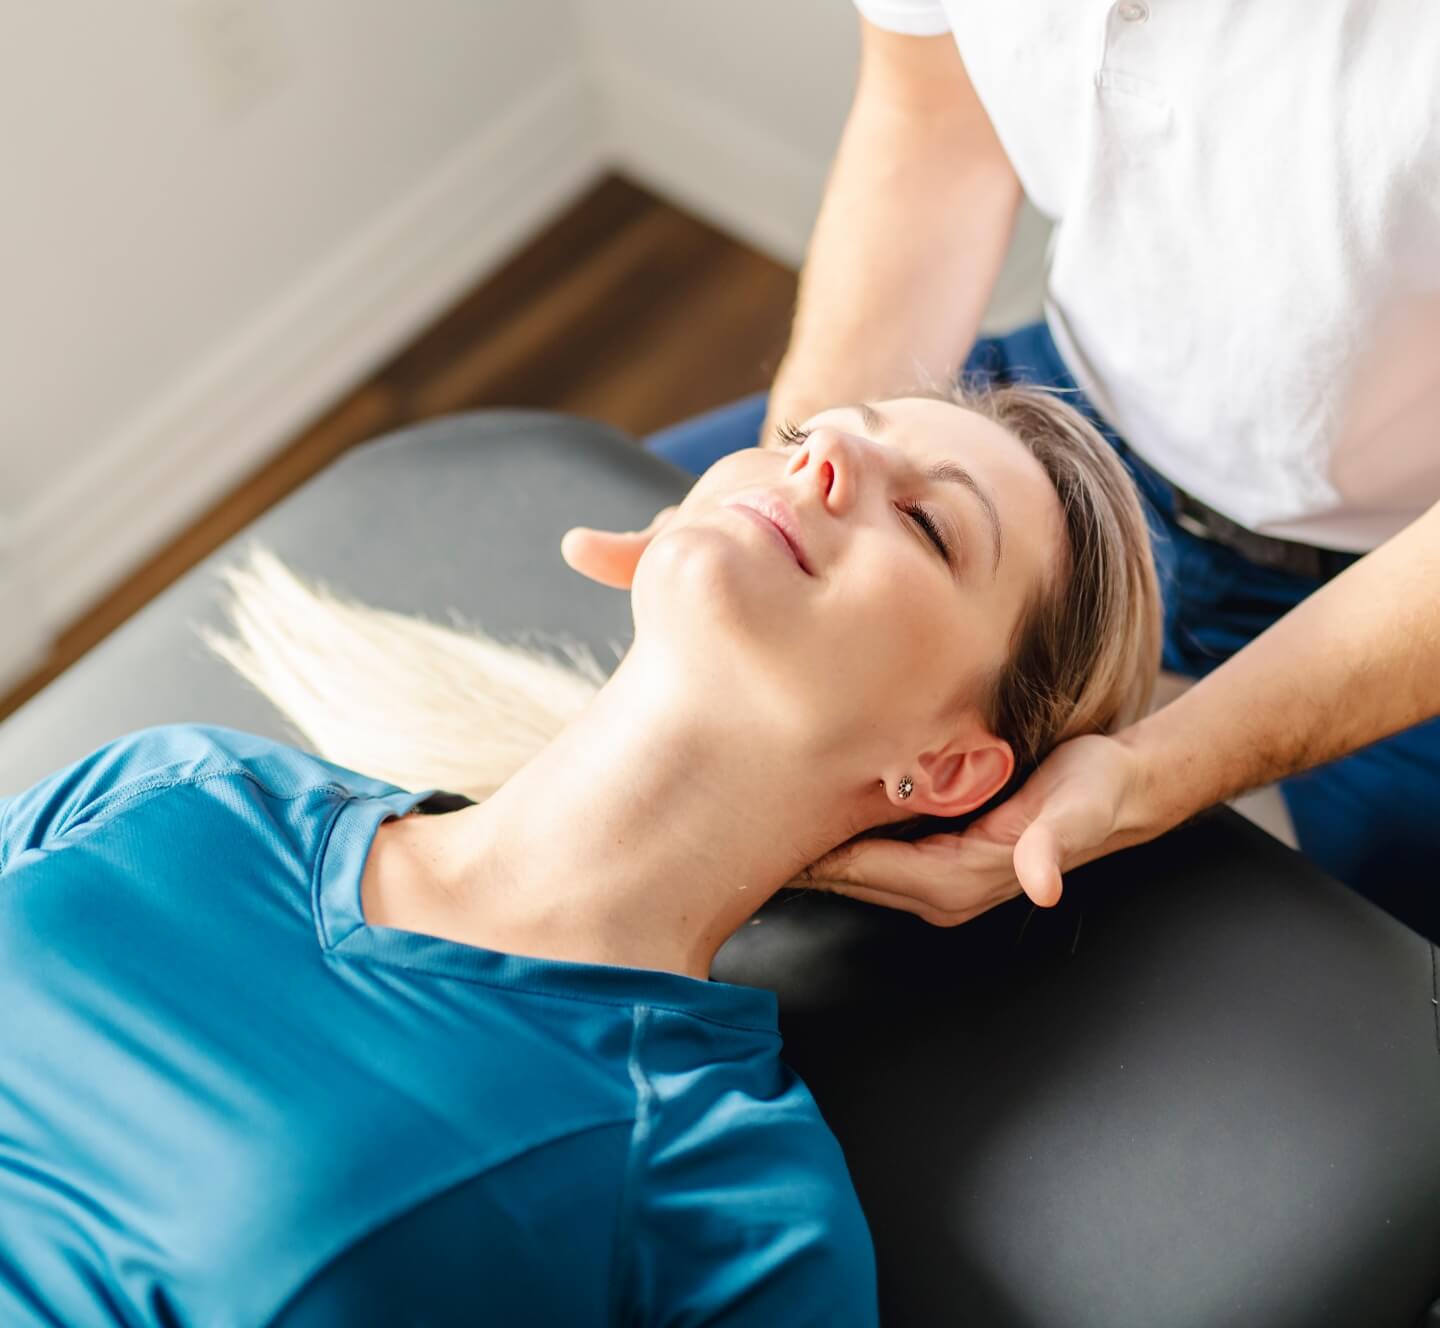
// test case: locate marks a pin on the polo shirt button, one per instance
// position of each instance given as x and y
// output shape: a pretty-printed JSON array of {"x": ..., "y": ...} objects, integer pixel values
[{"x": 1134, "y": 11}]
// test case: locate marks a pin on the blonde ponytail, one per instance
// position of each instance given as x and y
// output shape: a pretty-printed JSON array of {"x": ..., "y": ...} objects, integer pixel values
[{"x": 393, "y": 695}]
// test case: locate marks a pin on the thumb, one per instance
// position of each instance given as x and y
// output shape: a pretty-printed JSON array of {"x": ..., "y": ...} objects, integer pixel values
[
  {"x": 1037, "y": 864},
  {"x": 609, "y": 556}
]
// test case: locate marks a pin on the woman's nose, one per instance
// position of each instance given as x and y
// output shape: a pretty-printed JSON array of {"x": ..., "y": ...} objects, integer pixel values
[{"x": 829, "y": 459}]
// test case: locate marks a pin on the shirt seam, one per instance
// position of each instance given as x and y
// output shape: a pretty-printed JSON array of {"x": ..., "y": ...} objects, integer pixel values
[
  {"x": 630, "y": 1291},
  {"x": 317, "y": 879},
  {"x": 339, "y": 949},
  {"x": 117, "y": 799}
]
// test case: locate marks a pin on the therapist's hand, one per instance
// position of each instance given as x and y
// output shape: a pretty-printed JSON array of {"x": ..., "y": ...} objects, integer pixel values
[
  {"x": 610, "y": 556},
  {"x": 1084, "y": 801}
]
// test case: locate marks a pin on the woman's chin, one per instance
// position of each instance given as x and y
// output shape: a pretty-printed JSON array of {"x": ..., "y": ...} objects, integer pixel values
[{"x": 735, "y": 571}]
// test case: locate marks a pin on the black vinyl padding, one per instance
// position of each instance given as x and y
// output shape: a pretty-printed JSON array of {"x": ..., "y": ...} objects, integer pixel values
[{"x": 1202, "y": 1091}]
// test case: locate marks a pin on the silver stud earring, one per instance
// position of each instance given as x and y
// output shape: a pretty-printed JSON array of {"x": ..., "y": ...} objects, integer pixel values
[{"x": 905, "y": 787}]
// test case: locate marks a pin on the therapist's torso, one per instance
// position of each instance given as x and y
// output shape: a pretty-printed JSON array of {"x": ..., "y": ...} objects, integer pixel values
[
  {"x": 226, "y": 1100},
  {"x": 1245, "y": 270}
]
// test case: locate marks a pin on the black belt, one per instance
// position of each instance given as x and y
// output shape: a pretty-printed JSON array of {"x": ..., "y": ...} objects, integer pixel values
[{"x": 1308, "y": 560}]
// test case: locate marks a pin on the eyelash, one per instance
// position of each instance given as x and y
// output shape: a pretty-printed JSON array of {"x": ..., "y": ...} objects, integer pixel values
[{"x": 791, "y": 435}]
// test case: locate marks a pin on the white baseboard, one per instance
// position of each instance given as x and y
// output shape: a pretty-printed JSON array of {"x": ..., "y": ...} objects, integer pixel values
[{"x": 280, "y": 372}]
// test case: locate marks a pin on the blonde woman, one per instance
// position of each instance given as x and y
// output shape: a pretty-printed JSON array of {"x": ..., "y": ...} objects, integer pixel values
[{"x": 279, "y": 1051}]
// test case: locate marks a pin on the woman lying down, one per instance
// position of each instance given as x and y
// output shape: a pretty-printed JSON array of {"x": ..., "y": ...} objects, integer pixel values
[{"x": 287, "y": 1042}]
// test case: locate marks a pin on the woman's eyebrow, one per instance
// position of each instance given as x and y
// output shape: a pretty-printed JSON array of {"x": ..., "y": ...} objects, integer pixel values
[
  {"x": 874, "y": 420},
  {"x": 947, "y": 472}
]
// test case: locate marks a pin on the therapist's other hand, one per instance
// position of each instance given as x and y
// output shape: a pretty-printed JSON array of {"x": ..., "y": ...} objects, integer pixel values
[
  {"x": 1082, "y": 802},
  {"x": 610, "y": 556}
]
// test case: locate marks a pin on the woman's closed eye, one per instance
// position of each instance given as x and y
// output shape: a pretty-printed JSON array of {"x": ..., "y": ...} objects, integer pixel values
[
  {"x": 791, "y": 435},
  {"x": 928, "y": 524}
]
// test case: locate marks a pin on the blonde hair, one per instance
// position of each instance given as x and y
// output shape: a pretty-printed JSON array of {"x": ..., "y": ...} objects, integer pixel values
[
  {"x": 1085, "y": 652},
  {"x": 425, "y": 705}
]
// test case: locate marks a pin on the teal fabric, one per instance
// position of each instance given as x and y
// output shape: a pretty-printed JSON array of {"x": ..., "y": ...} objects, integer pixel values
[{"x": 226, "y": 1100}]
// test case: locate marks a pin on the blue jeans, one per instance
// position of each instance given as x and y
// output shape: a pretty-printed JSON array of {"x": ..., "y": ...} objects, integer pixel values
[{"x": 1369, "y": 818}]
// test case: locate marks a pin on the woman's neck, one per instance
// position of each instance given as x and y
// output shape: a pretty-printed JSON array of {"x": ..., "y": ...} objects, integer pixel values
[{"x": 643, "y": 835}]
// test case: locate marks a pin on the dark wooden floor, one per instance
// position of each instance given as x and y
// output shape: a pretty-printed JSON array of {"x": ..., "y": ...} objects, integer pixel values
[{"x": 624, "y": 309}]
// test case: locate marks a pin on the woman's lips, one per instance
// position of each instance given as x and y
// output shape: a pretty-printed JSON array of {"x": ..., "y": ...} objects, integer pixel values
[{"x": 772, "y": 514}]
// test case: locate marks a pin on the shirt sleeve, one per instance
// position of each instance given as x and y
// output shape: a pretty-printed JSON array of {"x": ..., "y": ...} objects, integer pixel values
[
  {"x": 916, "y": 18},
  {"x": 753, "y": 1224},
  {"x": 39, "y": 815}
]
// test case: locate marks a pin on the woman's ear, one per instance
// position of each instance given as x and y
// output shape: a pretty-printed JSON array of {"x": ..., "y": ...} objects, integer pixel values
[
  {"x": 965, "y": 775},
  {"x": 610, "y": 556}
]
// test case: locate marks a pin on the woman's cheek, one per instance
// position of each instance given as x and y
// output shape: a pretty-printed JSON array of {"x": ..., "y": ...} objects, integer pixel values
[{"x": 892, "y": 630}]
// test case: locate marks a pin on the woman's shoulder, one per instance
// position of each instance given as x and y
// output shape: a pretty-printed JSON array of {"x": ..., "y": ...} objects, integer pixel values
[
  {"x": 744, "y": 1198},
  {"x": 745, "y": 1110},
  {"x": 136, "y": 767},
  {"x": 283, "y": 767},
  {"x": 97, "y": 782},
  {"x": 164, "y": 755}
]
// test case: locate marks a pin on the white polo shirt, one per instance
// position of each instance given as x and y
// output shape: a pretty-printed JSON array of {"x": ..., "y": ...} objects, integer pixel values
[{"x": 1245, "y": 267}]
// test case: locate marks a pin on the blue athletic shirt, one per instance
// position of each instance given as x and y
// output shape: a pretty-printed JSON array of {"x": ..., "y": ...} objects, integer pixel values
[{"x": 226, "y": 1100}]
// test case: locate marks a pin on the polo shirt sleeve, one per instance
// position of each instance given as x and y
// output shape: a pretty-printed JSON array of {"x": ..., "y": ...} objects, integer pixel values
[
  {"x": 916, "y": 18},
  {"x": 750, "y": 1221},
  {"x": 104, "y": 778}
]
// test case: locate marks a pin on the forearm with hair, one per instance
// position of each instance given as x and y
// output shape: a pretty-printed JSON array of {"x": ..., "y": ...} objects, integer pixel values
[
  {"x": 912, "y": 230},
  {"x": 1354, "y": 663}
]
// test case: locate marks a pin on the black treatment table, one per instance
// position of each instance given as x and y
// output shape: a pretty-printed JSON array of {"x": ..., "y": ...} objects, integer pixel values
[{"x": 1203, "y": 1091}]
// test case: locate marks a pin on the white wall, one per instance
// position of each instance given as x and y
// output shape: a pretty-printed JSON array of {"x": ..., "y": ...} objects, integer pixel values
[
  {"x": 734, "y": 111},
  {"x": 219, "y": 215}
]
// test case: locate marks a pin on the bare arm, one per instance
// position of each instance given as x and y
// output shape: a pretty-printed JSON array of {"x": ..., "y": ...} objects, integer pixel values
[
  {"x": 916, "y": 217},
  {"x": 1355, "y": 662}
]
